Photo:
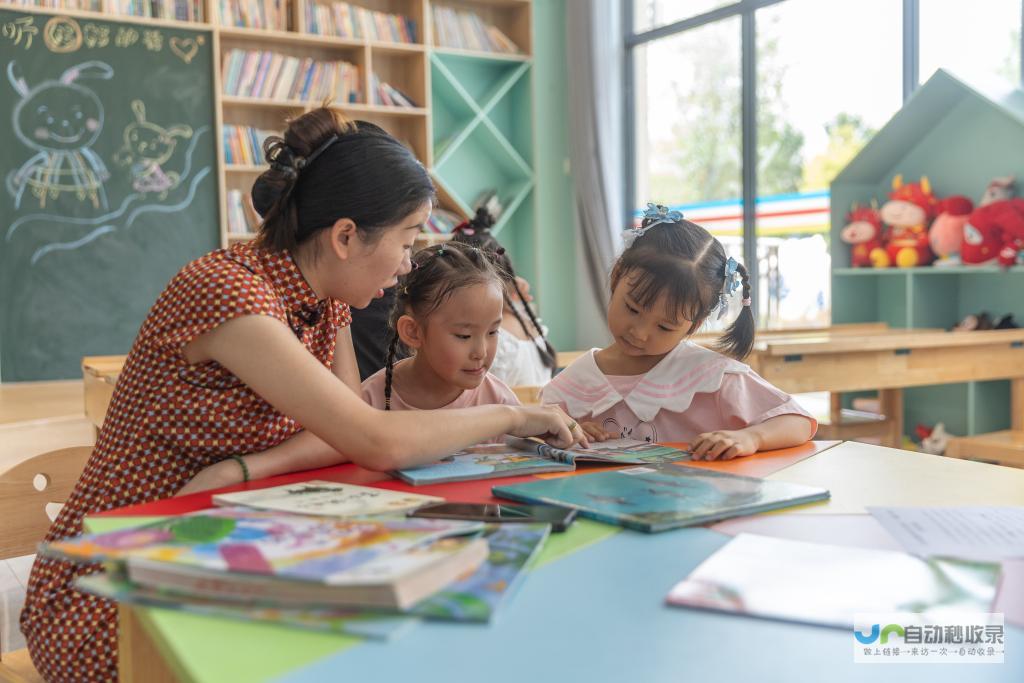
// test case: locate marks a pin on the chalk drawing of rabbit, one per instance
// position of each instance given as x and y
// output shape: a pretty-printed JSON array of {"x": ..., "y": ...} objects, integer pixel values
[
  {"x": 146, "y": 147},
  {"x": 62, "y": 120}
]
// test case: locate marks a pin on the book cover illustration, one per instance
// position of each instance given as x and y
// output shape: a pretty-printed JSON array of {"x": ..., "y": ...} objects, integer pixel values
[
  {"x": 517, "y": 457},
  {"x": 327, "y": 498},
  {"x": 318, "y": 549},
  {"x": 659, "y": 497}
]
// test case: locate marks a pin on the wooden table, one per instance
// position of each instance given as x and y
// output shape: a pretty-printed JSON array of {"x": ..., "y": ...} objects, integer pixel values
[
  {"x": 99, "y": 374},
  {"x": 593, "y": 607}
]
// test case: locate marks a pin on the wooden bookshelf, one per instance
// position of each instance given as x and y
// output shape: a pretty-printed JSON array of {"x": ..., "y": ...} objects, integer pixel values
[{"x": 474, "y": 108}]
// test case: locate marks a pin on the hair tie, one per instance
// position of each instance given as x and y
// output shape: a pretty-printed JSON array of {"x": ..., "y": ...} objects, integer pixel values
[
  {"x": 746, "y": 302},
  {"x": 281, "y": 157},
  {"x": 500, "y": 251},
  {"x": 730, "y": 284},
  {"x": 655, "y": 214}
]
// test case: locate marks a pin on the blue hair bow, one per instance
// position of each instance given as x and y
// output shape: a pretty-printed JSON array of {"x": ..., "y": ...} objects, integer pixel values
[
  {"x": 655, "y": 214},
  {"x": 729, "y": 286}
]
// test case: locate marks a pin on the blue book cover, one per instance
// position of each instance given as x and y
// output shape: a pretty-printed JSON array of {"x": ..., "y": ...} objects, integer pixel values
[
  {"x": 660, "y": 497},
  {"x": 517, "y": 457}
]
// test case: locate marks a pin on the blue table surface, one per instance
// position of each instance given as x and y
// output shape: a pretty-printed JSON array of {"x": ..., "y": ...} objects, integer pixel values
[{"x": 600, "y": 615}]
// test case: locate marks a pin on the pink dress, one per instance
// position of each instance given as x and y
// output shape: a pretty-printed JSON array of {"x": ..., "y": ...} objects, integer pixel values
[
  {"x": 491, "y": 391},
  {"x": 691, "y": 391}
]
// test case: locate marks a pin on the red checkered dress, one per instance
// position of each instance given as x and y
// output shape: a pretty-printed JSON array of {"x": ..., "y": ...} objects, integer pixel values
[{"x": 167, "y": 421}]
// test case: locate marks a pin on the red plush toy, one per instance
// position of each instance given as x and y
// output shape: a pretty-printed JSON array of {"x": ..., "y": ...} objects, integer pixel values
[
  {"x": 994, "y": 233},
  {"x": 863, "y": 231},
  {"x": 910, "y": 208}
]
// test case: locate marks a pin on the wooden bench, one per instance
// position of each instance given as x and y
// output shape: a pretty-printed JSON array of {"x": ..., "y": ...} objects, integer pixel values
[{"x": 1000, "y": 448}]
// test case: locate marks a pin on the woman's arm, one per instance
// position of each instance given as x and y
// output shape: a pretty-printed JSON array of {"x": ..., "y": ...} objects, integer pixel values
[
  {"x": 265, "y": 355},
  {"x": 345, "y": 366}
]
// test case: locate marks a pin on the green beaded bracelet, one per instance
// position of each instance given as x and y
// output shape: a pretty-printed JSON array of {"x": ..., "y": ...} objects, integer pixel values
[{"x": 241, "y": 463}]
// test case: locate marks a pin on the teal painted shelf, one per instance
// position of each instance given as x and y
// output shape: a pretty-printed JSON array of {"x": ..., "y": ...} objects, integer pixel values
[
  {"x": 483, "y": 141},
  {"x": 960, "y": 137}
]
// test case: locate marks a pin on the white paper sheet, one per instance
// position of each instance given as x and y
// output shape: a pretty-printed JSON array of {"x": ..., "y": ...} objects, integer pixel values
[{"x": 971, "y": 533}]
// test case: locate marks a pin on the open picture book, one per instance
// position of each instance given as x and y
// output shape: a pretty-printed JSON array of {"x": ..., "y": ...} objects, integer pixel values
[
  {"x": 327, "y": 498},
  {"x": 518, "y": 457}
]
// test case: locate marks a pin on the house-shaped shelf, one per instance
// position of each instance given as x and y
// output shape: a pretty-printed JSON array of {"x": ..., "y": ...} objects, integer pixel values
[{"x": 960, "y": 136}]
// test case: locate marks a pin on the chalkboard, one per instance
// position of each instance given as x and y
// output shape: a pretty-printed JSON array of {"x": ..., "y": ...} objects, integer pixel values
[{"x": 109, "y": 181}]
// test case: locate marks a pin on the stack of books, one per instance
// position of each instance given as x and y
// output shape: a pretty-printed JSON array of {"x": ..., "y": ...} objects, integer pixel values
[
  {"x": 465, "y": 30},
  {"x": 274, "y": 76},
  {"x": 181, "y": 10},
  {"x": 318, "y": 555},
  {"x": 388, "y": 95},
  {"x": 263, "y": 14},
  {"x": 242, "y": 216},
  {"x": 349, "y": 21},
  {"x": 244, "y": 144}
]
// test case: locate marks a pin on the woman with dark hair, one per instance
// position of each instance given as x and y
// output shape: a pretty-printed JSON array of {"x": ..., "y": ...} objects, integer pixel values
[{"x": 244, "y": 366}]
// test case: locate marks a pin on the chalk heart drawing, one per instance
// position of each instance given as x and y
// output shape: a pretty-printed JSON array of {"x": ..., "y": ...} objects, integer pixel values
[{"x": 186, "y": 48}]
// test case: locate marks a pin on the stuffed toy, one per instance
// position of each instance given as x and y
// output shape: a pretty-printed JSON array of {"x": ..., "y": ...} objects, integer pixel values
[
  {"x": 863, "y": 232},
  {"x": 910, "y": 208},
  {"x": 947, "y": 231},
  {"x": 994, "y": 233},
  {"x": 934, "y": 440}
]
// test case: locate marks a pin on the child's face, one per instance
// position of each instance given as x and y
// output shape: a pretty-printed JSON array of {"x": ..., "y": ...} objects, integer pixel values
[
  {"x": 643, "y": 332},
  {"x": 461, "y": 335}
]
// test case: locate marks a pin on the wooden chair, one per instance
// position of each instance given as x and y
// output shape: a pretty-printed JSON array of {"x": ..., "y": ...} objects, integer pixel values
[{"x": 26, "y": 489}]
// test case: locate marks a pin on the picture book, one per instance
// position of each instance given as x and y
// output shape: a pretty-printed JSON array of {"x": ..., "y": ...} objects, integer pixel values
[
  {"x": 517, "y": 457},
  {"x": 238, "y": 554},
  {"x": 329, "y": 620},
  {"x": 326, "y": 498},
  {"x": 776, "y": 578},
  {"x": 659, "y": 497},
  {"x": 472, "y": 598}
]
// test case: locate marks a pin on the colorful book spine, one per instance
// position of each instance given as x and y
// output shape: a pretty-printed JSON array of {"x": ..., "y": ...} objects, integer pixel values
[
  {"x": 179, "y": 10},
  {"x": 243, "y": 145},
  {"x": 242, "y": 216},
  {"x": 387, "y": 95},
  {"x": 261, "y": 14},
  {"x": 344, "y": 20},
  {"x": 271, "y": 75}
]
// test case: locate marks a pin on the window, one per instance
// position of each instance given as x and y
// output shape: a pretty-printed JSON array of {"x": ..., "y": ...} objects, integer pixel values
[
  {"x": 828, "y": 74},
  {"x": 820, "y": 97},
  {"x": 977, "y": 42}
]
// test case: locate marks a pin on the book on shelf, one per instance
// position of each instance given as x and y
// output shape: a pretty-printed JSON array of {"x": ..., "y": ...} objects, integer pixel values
[
  {"x": 90, "y": 5},
  {"x": 327, "y": 498},
  {"x": 238, "y": 554},
  {"x": 259, "y": 14},
  {"x": 243, "y": 145},
  {"x": 179, "y": 10},
  {"x": 388, "y": 95},
  {"x": 465, "y": 30},
  {"x": 658, "y": 497},
  {"x": 270, "y": 75},
  {"x": 519, "y": 456},
  {"x": 442, "y": 222},
  {"x": 242, "y": 216},
  {"x": 343, "y": 20}
]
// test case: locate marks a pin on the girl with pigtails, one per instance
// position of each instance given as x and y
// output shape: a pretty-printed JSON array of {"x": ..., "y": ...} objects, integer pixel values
[
  {"x": 244, "y": 367},
  {"x": 524, "y": 357},
  {"x": 651, "y": 382}
]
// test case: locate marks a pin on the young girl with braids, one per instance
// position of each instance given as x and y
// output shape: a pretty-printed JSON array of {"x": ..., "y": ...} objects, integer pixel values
[
  {"x": 652, "y": 383},
  {"x": 447, "y": 315},
  {"x": 524, "y": 356}
]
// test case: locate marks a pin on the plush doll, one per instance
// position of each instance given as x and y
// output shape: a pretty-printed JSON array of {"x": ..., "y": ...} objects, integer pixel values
[
  {"x": 910, "y": 208},
  {"x": 863, "y": 232},
  {"x": 947, "y": 231},
  {"x": 994, "y": 233},
  {"x": 934, "y": 440}
]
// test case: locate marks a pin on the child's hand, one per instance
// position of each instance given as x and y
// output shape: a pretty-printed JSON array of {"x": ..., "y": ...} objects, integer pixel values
[
  {"x": 724, "y": 445},
  {"x": 594, "y": 431}
]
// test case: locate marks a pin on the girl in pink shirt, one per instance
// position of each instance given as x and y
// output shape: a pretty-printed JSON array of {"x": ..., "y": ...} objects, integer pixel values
[
  {"x": 652, "y": 383},
  {"x": 447, "y": 315}
]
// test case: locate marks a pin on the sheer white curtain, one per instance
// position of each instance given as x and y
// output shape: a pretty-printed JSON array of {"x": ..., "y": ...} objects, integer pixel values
[{"x": 594, "y": 52}]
